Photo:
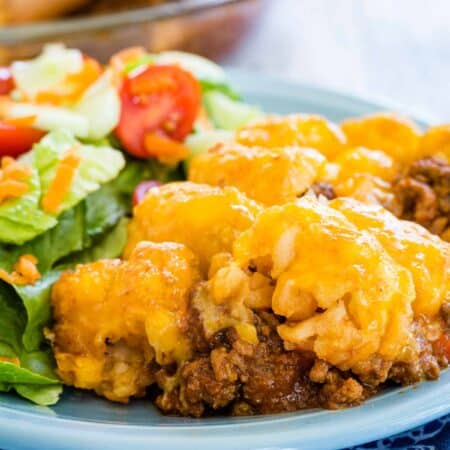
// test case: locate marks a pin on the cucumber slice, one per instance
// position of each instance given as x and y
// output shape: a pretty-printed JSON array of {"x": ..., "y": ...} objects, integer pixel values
[{"x": 229, "y": 114}]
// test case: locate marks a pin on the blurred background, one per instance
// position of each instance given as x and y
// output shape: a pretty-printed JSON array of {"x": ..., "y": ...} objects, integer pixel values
[{"x": 397, "y": 51}]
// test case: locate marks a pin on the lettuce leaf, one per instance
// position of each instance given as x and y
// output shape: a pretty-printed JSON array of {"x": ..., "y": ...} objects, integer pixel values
[
  {"x": 12, "y": 322},
  {"x": 98, "y": 165},
  {"x": 109, "y": 246},
  {"x": 47, "y": 71},
  {"x": 41, "y": 395},
  {"x": 100, "y": 105},
  {"x": 36, "y": 300},
  {"x": 92, "y": 230},
  {"x": 12, "y": 374},
  {"x": 35, "y": 375},
  {"x": 95, "y": 228},
  {"x": 21, "y": 218},
  {"x": 48, "y": 117}
]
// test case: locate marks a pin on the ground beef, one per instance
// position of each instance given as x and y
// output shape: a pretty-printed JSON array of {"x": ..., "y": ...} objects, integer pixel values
[
  {"x": 325, "y": 189},
  {"x": 241, "y": 377},
  {"x": 445, "y": 313},
  {"x": 422, "y": 195},
  {"x": 230, "y": 376},
  {"x": 426, "y": 367}
]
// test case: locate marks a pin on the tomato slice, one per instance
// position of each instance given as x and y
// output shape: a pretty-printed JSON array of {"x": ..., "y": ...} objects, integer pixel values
[
  {"x": 6, "y": 81},
  {"x": 16, "y": 139},
  {"x": 157, "y": 101}
]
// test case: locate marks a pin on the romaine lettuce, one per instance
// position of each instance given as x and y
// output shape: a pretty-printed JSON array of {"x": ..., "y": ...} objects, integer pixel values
[
  {"x": 47, "y": 70},
  {"x": 94, "y": 229},
  {"x": 21, "y": 218},
  {"x": 100, "y": 105},
  {"x": 98, "y": 165},
  {"x": 47, "y": 117},
  {"x": 31, "y": 374}
]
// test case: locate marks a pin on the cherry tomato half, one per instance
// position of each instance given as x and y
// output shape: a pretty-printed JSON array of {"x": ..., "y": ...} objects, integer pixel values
[
  {"x": 158, "y": 100},
  {"x": 17, "y": 139},
  {"x": 143, "y": 188},
  {"x": 6, "y": 81}
]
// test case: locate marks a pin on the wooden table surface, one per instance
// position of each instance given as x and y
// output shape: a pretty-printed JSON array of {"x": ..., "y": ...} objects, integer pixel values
[{"x": 397, "y": 50}]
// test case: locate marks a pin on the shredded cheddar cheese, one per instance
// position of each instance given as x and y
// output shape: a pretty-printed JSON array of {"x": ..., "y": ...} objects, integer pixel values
[
  {"x": 13, "y": 176},
  {"x": 60, "y": 185},
  {"x": 25, "y": 271}
]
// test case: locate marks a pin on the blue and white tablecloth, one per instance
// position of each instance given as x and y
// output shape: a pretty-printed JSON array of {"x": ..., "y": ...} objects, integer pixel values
[{"x": 432, "y": 436}]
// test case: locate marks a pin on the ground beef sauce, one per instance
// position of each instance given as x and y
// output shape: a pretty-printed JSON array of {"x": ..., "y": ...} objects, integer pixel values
[
  {"x": 422, "y": 194},
  {"x": 324, "y": 188},
  {"x": 227, "y": 375},
  {"x": 230, "y": 376}
]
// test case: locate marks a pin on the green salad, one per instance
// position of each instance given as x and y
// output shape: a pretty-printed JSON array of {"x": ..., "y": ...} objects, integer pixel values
[{"x": 75, "y": 144}]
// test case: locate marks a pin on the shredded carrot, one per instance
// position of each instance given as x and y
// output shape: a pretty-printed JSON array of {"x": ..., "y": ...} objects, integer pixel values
[
  {"x": 26, "y": 268},
  {"x": 73, "y": 85},
  {"x": 11, "y": 169},
  {"x": 60, "y": 185},
  {"x": 12, "y": 360},
  {"x": 7, "y": 161},
  {"x": 25, "y": 271},
  {"x": 5, "y": 276},
  {"x": 165, "y": 149},
  {"x": 12, "y": 189},
  {"x": 12, "y": 178},
  {"x": 25, "y": 121}
]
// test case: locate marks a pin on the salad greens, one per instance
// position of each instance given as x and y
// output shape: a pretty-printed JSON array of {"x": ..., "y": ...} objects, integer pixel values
[
  {"x": 100, "y": 105},
  {"x": 90, "y": 222},
  {"x": 99, "y": 164},
  {"x": 29, "y": 373},
  {"x": 46, "y": 71},
  {"x": 22, "y": 218},
  {"x": 94, "y": 229}
]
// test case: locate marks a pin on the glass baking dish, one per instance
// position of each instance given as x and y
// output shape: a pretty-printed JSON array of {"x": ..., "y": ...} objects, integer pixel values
[{"x": 207, "y": 27}]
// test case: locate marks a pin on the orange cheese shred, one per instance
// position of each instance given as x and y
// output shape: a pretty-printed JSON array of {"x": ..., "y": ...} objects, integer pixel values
[
  {"x": 62, "y": 181},
  {"x": 25, "y": 271}
]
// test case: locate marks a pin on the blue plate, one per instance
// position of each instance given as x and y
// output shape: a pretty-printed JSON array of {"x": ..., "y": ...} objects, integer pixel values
[{"x": 83, "y": 421}]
